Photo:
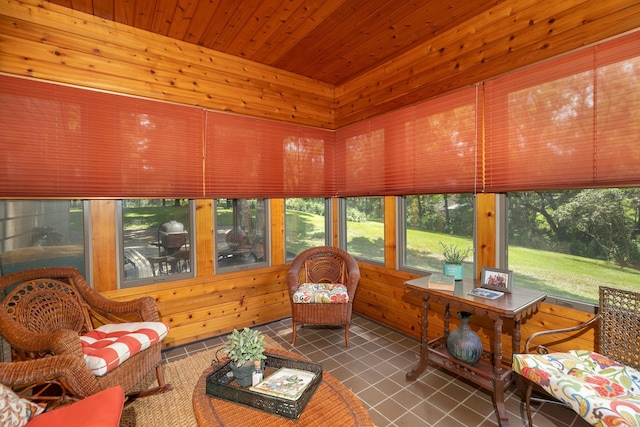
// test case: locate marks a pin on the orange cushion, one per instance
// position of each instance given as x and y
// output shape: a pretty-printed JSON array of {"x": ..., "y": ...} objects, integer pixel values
[{"x": 102, "y": 409}]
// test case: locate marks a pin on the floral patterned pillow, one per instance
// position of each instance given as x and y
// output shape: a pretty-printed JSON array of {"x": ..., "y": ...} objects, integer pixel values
[
  {"x": 14, "y": 410},
  {"x": 602, "y": 391},
  {"x": 309, "y": 293}
]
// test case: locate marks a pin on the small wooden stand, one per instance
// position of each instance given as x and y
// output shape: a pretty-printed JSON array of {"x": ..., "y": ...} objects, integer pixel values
[{"x": 489, "y": 372}]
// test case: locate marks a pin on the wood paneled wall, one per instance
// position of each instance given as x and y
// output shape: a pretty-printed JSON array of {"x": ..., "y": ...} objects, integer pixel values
[{"x": 45, "y": 41}]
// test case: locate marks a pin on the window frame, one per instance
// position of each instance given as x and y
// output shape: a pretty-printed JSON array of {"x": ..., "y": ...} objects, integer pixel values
[
  {"x": 328, "y": 221},
  {"x": 266, "y": 242},
  {"x": 43, "y": 219},
  {"x": 134, "y": 283},
  {"x": 401, "y": 236},
  {"x": 342, "y": 235}
]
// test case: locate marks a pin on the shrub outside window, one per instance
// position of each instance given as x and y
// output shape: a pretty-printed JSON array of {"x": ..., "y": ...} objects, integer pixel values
[
  {"x": 241, "y": 234},
  {"x": 156, "y": 240}
]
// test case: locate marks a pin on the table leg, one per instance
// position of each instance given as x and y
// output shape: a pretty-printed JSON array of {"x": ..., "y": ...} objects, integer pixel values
[
  {"x": 424, "y": 344},
  {"x": 515, "y": 343},
  {"x": 498, "y": 383}
]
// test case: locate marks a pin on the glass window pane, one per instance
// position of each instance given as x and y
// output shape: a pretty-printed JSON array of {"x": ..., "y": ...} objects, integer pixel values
[
  {"x": 306, "y": 225},
  {"x": 431, "y": 221},
  {"x": 241, "y": 237},
  {"x": 156, "y": 240},
  {"x": 365, "y": 227},
  {"x": 41, "y": 233},
  {"x": 568, "y": 243}
]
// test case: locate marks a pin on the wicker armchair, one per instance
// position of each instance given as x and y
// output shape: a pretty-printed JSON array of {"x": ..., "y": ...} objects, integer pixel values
[
  {"x": 46, "y": 310},
  {"x": 323, "y": 264},
  {"x": 602, "y": 386}
]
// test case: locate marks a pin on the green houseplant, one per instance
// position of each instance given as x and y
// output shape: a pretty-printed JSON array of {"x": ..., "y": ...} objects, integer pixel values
[
  {"x": 453, "y": 258},
  {"x": 243, "y": 349}
]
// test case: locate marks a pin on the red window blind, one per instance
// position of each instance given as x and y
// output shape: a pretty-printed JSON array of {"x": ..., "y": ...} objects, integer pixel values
[
  {"x": 428, "y": 148},
  {"x": 63, "y": 142},
  {"x": 569, "y": 122},
  {"x": 247, "y": 157},
  {"x": 360, "y": 159},
  {"x": 447, "y": 144},
  {"x": 309, "y": 163}
]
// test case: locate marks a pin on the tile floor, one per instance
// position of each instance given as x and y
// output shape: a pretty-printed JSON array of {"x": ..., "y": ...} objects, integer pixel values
[{"x": 374, "y": 367}]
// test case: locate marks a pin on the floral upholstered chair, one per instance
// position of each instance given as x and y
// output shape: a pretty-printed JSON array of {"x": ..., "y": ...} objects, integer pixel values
[
  {"x": 322, "y": 283},
  {"x": 603, "y": 387}
]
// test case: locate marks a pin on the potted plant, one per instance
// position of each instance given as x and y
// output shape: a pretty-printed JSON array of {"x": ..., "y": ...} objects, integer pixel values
[
  {"x": 453, "y": 258},
  {"x": 245, "y": 348}
]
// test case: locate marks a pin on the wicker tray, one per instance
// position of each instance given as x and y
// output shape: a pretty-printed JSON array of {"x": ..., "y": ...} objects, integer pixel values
[{"x": 220, "y": 384}]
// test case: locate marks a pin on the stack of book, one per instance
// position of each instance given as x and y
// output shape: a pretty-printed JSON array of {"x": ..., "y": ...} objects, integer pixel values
[{"x": 441, "y": 282}]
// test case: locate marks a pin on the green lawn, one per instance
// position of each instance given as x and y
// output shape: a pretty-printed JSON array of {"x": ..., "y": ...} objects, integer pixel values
[{"x": 554, "y": 273}]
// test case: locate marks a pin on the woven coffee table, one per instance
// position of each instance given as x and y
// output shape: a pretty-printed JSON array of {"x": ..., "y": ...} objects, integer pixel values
[{"x": 331, "y": 404}]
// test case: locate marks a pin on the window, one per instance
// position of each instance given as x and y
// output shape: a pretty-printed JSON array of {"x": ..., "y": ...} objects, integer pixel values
[
  {"x": 429, "y": 221},
  {"x": 41, "y": 233},
  {"x": 307, "y": 224},
  {"x": 364, "y": 227},
  {"x": 156, "y": 236},
  {"x": 241, "y": 234},
  {"x": 568, "y": 243}
]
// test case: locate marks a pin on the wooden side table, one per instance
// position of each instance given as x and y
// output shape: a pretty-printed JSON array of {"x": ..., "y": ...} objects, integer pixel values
[{"x": 489, "y": 372}]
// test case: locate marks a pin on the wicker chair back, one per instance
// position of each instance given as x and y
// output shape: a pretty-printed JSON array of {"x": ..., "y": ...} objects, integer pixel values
[
  {"x": 325, "y": 268},
  {"x": 619, "y": 337},
  {"x": 46, "y": 306}
]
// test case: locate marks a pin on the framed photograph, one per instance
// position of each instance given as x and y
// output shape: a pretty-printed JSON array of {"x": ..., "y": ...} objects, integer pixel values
[{"x": 496, "y": 279}]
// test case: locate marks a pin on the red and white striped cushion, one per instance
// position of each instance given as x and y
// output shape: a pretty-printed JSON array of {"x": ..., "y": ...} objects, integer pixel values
[{"x": 107, "y": 346}]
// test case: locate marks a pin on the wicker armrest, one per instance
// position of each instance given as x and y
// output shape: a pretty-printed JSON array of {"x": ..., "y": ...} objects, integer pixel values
[
  {"x": 65, "y": 371},
  {"x": 25, "y": 340},
  {"x": 541, "y": 349},
  {"x": 106, "y": 310},
  {"x": 142, "y": 309}
]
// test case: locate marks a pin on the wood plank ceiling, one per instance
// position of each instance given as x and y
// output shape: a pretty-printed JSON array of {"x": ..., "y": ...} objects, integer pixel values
[{"x": 331, "y": 41}]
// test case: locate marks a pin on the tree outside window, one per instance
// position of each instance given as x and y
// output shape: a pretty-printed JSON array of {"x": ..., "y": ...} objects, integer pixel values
[{"x": 568, "y": 243}]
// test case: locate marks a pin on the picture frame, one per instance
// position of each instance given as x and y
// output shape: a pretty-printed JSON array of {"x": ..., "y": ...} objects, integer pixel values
[{"x": 496, "y": 279}]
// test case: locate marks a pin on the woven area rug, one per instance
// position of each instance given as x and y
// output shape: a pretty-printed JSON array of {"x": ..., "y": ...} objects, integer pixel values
[{"x": 173, "y": 408}]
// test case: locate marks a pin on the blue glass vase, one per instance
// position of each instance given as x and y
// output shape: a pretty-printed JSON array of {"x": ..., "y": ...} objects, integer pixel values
[{"x": 464, "y": 344}]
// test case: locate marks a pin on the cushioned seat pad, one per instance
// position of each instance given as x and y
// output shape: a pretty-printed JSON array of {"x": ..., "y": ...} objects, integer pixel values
[
  {"x": 103, "y": 409},
  {"x": 602, "y": 391},
  {"x": 106, "y": 347},
  {"x": 321, "y": 293}
]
